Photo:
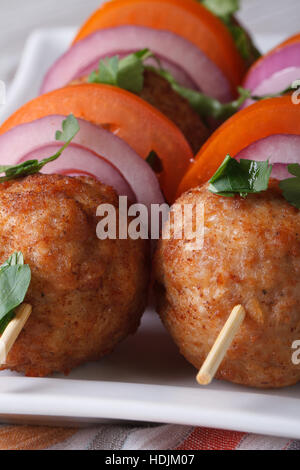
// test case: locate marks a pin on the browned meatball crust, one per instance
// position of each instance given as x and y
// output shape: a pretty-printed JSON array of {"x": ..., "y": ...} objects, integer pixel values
[
  {"x": 251, "y": 256},
  {"x": 158, "y": 92},
  {"x": 87, "y": 294}
]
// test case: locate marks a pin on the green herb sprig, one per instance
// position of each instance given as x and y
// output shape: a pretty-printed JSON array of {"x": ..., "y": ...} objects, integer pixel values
[
  {"x": 126, "y": 73},
  {"x": 208, "y": 107},
  {"x": 15, "y": 277},
  {"x": 249, "y": 176},
  {"x": 204, "y": 105},
  {"x": 224, "y": 10},
  {"x": 291, "y": 186},
  {"x": 241, "y": 178},
  {"x": 70, "y": 128}
]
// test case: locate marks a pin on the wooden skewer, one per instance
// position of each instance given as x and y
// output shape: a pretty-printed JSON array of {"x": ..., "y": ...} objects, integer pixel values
[
  {"x": 13, "y": 330},
  {"x": 222, "y": 344}
]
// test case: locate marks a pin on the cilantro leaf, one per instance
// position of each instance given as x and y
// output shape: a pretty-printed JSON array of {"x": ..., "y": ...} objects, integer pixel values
[
  {"x": 107, "y": 72},
  {"x": 294, "y": 169},
  {"x": 243, "y": 178},
  {"x": 70, "y": 128},
  {"x": 245, "y": 46},
  {"x": 222, "y": 8},
  {"x": 126, "y": 73},
  {"x": 204, "y": 105},
  {"x": 15, "y": 258},
  {"x": 291, "y": 186},
  {"x": 15, "y": 277},
  {"x": 131, "y": 71}
]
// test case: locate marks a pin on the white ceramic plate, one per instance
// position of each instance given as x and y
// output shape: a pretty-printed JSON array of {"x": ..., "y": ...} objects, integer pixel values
[{"x": 145, "y": 379}]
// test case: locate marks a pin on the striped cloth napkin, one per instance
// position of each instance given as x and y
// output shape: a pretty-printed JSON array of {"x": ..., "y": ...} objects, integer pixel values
[{"x": 134, "y": 437}]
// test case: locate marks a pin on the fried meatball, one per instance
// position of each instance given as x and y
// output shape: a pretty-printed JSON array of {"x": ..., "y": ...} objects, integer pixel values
[
  {"x": 86, "y": 294},
  {"x": 250, "y": 256},
  {"x": 158, "y": 92}
]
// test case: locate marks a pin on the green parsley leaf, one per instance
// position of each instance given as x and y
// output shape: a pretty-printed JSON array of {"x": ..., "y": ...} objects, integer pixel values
[
  {"x": 207, "y": 106},
  {"x": 15, "y": 278},
  {"x": 294, "y": 169},
  {"x": 107, "y": 72},
  {"x": 70, "y": 128},
  {"x": 15, "y": 258},
  {"x": 204, "y": 105},
  {"x": 222, "y": 8},
  {"x": 243, "y": 178},
  {"x": 244, "y": 44},
  {"x": 291, "y": 186},
  {"x": 131, "y": 71},
  {"x": 126, "y": 73}
]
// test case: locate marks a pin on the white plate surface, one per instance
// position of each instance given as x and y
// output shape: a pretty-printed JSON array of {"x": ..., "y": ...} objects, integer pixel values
[{"x": 145, "y": 379}]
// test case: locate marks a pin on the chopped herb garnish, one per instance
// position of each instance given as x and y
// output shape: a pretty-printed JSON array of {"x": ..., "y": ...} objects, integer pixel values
[
  {"x": 243, "y": 42},
  {"x": 224, "y": 10},
  {"x": 291, "y": 186},
  {"x": 70, "y": 127},
  {"x": 207, "y": 106},
  {"x": 126, "y": 73},
  {"x": 155, "y": 162},
  {"x": 243, "y": 178},
  {"x": 204, "y": 105},
  {"x": 15, "y": 278}
]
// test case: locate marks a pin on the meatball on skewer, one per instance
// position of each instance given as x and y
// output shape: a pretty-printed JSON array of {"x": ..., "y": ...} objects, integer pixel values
[
  {"x": 250, "y": 256},
  {"x": 86, "y": 294}
]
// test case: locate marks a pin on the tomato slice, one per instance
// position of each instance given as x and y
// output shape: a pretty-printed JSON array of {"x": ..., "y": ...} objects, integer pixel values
[
  {"x": 265, "y": 118},
  {"x": 186, "y": 18},
  {"x": 126, "y": 115},
  {"x": 292, "y": 40}
]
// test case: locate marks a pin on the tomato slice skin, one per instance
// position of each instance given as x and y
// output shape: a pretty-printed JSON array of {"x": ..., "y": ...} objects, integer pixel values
[
  {"x": 126, "y": 115},
  {"x": 186, "y": 18},
  {"x": 292, "y": 40},
  {"x": 262, "y": 119}
]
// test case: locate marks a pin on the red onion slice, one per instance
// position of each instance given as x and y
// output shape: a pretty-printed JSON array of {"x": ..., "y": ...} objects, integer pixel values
[
  {"x": 280, "y": 149},
  {"x": 76, "y": 161},
  {"x": 275, "y": 84},
  {"x": 25, "y": 139},
  {"x": 284, "y": 58},
  {"x": 170, "y": 47},
  {"x": 278, "y": 82}
]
